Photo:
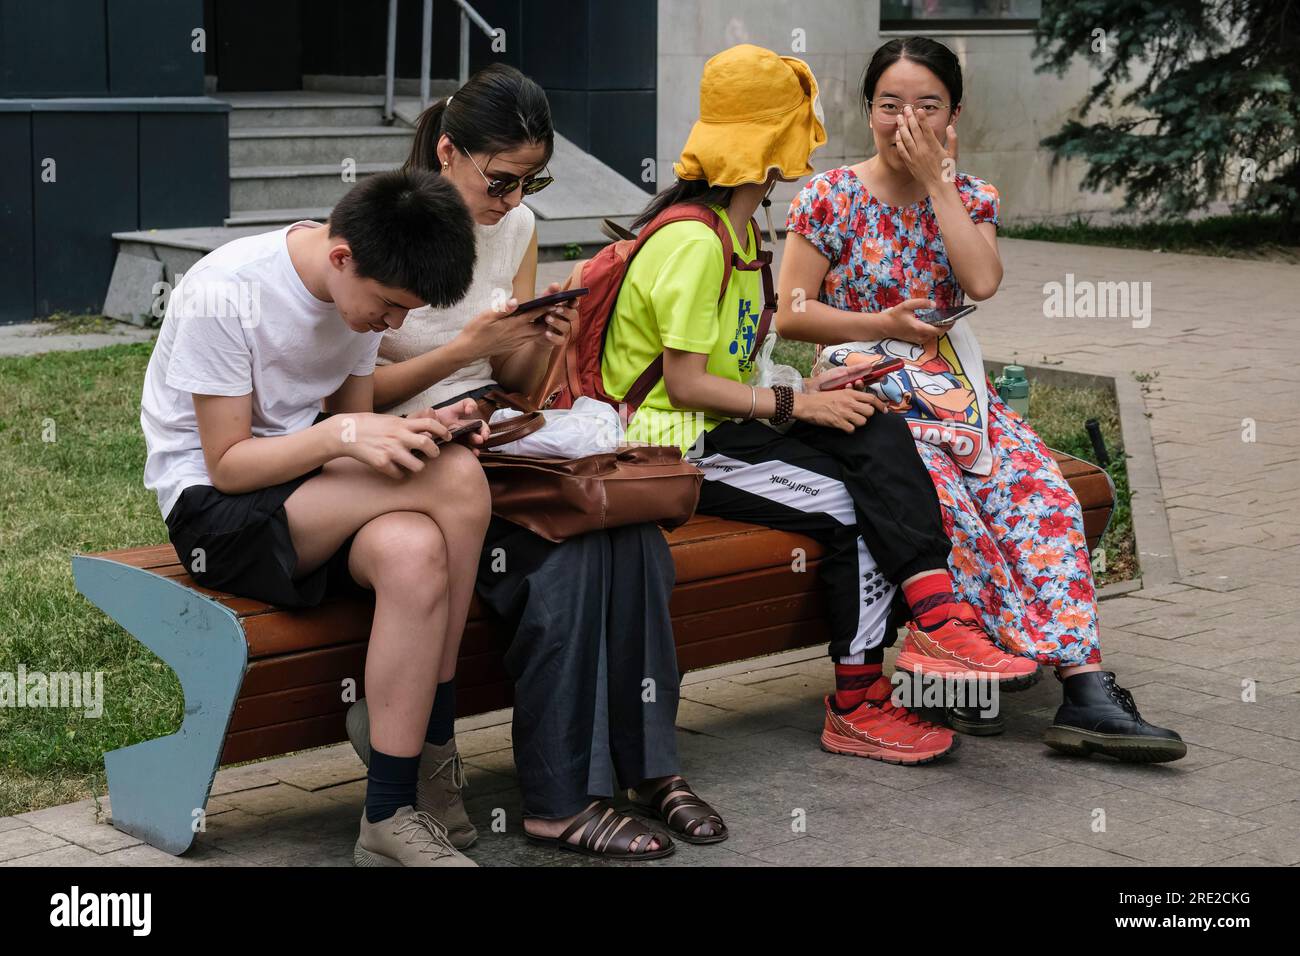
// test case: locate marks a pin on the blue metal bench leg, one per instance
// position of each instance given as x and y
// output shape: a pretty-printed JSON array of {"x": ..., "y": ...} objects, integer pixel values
[{"x": 158, "y": 787}]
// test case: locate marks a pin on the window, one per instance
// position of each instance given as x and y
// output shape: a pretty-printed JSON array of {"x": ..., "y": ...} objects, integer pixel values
[{"x": 959, "y": 14}]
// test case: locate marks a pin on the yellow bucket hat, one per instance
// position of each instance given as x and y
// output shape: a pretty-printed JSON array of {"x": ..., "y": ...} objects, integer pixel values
[{"x": 758, "y": 112}]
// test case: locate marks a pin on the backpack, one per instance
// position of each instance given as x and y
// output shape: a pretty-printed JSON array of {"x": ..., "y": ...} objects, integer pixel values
[{"x": 575, "y": 371}]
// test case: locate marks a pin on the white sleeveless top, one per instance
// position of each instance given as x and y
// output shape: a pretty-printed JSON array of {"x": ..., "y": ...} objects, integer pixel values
[{"x": 500, "y": 249}]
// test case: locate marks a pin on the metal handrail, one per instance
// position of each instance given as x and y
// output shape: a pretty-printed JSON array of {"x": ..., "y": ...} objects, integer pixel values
[{"x": 468, "y": 15}]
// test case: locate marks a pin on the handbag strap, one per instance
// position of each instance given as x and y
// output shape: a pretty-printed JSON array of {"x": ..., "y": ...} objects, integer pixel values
[{"x": 515, "y": 428}]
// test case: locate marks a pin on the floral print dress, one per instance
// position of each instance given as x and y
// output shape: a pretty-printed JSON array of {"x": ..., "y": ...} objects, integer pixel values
[{"x": 1019, "y": 552}]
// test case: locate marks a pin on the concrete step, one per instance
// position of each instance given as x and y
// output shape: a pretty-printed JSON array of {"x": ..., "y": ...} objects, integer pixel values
[
  {"x": 177, "y": 249},
  {"x": 318, "y": 145},
  {"x": 293, "y": 187},
  {"x": 276, "y": 217},
  {"x": 303, "y": 108}
]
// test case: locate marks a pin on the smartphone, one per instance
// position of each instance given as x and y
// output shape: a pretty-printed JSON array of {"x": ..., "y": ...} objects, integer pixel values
[
  {"x": 863, "y": 375},
  {"x": 463, "y": 429},
  {"x": 943, "y": 317},
  {"x": 555, "y": 298}
]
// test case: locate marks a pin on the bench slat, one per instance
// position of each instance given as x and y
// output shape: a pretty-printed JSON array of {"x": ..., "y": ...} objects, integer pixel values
[
  {"x": 695, "y": 597},
  {"x": 318, "y": 731}
]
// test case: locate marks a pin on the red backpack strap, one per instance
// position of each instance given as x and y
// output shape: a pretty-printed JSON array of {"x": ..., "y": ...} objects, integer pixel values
[{"x": 683, "y": 212}]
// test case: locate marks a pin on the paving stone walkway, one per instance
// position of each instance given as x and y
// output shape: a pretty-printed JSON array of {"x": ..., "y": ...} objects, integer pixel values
[{"x": 1222, "y": 347}]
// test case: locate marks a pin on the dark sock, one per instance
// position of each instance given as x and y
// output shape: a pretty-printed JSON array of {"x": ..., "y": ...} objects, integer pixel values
[
  {"x": 442, "y": 719},
  {"x": 852, "y": 681},
  {"x": 390, "y": 784},
  {"x": 931, "y": 598}
]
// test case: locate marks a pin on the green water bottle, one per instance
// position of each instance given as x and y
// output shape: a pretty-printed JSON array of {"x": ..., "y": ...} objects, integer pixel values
[{"x": 1013, "y": 388}]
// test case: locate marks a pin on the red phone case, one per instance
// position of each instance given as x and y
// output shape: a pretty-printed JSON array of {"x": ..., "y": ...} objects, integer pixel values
[{"x": 873, "y": 374}]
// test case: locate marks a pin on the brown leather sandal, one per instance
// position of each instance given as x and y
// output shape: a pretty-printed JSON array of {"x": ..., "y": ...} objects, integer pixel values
[
  {"x": 677, "y": 813},
  {"x": 608, "y": 834}
]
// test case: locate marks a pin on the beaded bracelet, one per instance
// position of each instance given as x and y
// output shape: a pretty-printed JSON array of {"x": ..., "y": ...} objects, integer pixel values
[{"x": 784, "y": 404}]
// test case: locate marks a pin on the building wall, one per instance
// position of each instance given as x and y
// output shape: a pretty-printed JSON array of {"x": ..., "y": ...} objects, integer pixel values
[
  {"x": 104, "y": 128},
  {"x": 1008, "y": 108},
  {"x": 118, "y": 48}
]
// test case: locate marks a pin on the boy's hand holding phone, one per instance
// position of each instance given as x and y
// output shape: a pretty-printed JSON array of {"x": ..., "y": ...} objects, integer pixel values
[
  {"x": 457, "y": 419},
  {"x": 389, "y": 444}
]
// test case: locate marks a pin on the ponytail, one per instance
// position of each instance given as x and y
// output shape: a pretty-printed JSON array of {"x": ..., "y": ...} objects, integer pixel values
[
  {"x": 498, "y": 109},
  {"x": 695, "y": 191}
]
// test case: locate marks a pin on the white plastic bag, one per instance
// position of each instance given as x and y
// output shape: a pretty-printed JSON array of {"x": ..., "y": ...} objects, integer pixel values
[
  {"x": 767, "y": 373},
  {"x": 590, "y": 427}
]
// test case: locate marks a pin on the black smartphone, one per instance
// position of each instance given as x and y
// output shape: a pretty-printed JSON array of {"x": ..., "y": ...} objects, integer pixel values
[
  {"x": 555, "y": 298},
  {"x": 461, "y": 430},
  {"x": 943, "y": 317}
]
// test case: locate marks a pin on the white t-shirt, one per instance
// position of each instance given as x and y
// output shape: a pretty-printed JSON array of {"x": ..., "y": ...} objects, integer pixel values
[
  {"x": 499, "y": 249},
  {"x": 242, "y": 321}
]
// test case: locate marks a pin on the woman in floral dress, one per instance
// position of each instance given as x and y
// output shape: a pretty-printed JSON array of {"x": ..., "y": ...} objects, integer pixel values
[{"x": 905, "y": 231}]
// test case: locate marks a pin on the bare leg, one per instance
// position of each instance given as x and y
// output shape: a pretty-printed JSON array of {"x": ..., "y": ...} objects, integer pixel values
[
  {"x": 402, "y": 557},
  {"x": 440, "y": 513}
]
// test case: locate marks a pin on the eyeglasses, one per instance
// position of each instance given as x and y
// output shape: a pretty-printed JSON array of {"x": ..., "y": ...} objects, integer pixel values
[
  {"x": 496, "y": 188},
  {"x": 892, "y": 108}
]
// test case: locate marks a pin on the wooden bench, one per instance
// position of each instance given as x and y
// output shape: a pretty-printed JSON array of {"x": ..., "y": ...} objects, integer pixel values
[{"x": 261, "y": 681}]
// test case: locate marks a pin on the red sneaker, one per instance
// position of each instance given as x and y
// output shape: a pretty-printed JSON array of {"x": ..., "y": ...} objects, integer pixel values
[
  {"x": 961, "y": 649},
  {"x": 879, "y": 730}
]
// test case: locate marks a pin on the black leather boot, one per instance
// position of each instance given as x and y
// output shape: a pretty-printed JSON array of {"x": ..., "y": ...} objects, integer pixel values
[
  {"x": 972, "y": 721},
  {"x": 1100, "y": 717}
]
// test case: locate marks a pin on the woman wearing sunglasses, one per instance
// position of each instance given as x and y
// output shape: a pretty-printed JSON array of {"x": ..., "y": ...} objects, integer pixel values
[
  {"x": 881, "y": 239},
  {"x": 589, "y": 616}
]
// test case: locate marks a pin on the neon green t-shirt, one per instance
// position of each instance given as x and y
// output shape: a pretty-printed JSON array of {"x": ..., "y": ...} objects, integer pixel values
[{"x": 669, "y": 300}]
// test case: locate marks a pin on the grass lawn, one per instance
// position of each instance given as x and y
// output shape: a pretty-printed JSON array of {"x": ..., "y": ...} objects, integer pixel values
[
  {"x": 1235, "y": 236},
  {"x": 82, "y": 491}
]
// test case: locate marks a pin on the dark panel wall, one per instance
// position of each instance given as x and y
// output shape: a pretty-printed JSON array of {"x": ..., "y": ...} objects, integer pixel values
[
  {"x": 99, "y": 48},
  {"x": 150, "y": 48},
  {"x": 184, "y": 170},
  {"x": 95, "y": 193},
  {"x": 597, "y": 62},
  {"x": 119, "y": 165},
  {"x": 16, "y": 286}
]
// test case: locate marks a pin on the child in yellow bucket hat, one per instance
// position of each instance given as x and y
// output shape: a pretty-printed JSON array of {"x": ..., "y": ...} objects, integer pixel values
[
  {"x": 759, "y": 113},
  {"x": 809, "y": 457}
]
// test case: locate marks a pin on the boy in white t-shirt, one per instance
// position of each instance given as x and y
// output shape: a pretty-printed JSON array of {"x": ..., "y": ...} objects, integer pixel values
[{"x": 279, "y": 482}]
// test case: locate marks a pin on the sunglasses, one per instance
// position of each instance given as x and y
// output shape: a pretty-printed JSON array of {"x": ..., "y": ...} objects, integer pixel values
[{"x": 496, "y": 188}]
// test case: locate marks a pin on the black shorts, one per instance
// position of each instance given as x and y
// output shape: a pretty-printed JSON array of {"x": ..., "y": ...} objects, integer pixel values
[{"x": 241, "y": 544}]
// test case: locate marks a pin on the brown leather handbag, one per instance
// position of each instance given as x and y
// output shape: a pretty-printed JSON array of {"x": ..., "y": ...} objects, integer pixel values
[{"x": 559, "y": 498}]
